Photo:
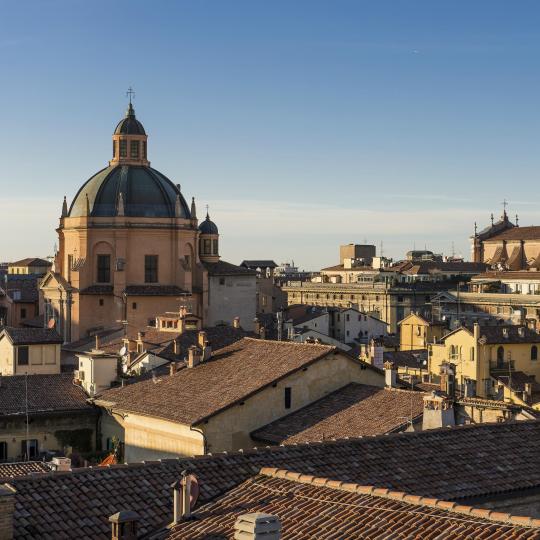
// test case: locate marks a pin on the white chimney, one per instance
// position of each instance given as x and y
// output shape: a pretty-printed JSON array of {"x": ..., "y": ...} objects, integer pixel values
[
  {"x": 257, "y": 526},
  {"x": 236, "y": 322},
  {"x": 390, "y": 374},
  {"x": 61, "y": 464}
]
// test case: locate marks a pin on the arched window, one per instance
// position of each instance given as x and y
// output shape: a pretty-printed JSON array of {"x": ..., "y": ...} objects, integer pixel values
[
  {"x": 500, "y": 356},
  {"x": 534, "y": 352}
]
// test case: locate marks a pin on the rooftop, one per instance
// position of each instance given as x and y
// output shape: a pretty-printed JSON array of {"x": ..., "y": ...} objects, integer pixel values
[
  {"x": 31, "y": 261},
  {"x": 31, "y": 336},
  {"x": 253, "y": 265},
  {"x": 46, "y": 394},
  {"x": 416, "y": 359},
  {"x": 22, "y": 468},
  {"x": 311, "y": 507},
  {"x": 450, "y": 464},
  {"x": 517, "y": 233},
  {"x": 216, "y": 384},
  {"x": 352, "y": 411},
  {"x": 222, "y": 268}
]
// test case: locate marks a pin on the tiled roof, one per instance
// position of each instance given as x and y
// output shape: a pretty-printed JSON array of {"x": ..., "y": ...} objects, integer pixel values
[
  {"x": 517, "y": 233},
  {"x": 46, "y": 394},
  {"x": 29, "y": 336},
  {"x": 223, "y": 268},
  {"x": 26, "y": 286},
  {"x": 341, "y": 268},
  {"x": 253, "y": 265},
  {"x": 352, "y": 411},
  {"x": 22, "y": 468},
  {"x": 451, "y": 464},
  {"x": 97, "y": 289},
  {"x": 428, "y": 267},
  {"x": 323, "y": 509},
  {"x": 496, "y": 334},
  {"x": 154, "y": 290},
  {"x": 31, "y": 261},
  {"x": 525, "y": 275},
  {"x": 34, "y": 322},
  {"x": 416, "y": 359},
  {"x": 313, "y": 313},
  {"x": 233, "y": 374}
]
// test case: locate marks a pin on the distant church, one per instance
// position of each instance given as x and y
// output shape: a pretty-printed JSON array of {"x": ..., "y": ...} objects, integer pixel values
[
  {"x": 130, "y": 249},
  {"x": 506, "y": 246}
]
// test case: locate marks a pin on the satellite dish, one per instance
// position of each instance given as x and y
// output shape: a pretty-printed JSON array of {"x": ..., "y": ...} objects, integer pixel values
[
  {"x": 51, "y": 323},
  {"x": 123, "y": 351}
]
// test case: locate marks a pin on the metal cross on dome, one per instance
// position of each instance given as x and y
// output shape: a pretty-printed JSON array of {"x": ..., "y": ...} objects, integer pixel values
[
  {"x": 505, "y": 204},
  {"x": 130, "y": 93}
]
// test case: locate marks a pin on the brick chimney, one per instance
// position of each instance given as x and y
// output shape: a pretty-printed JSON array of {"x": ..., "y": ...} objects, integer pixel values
[
  {"x": 124, "y": 525},
  {"x": 390, "y": 374},
  {"x": 438, "y": 411},
  {"x": 194, "y": 356},
  {"x": 257, "y": 526},
  {"x": 7, "y": 507}
]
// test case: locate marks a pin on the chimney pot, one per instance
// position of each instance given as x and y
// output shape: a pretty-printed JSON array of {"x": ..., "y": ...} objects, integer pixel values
[
  {"x": 390, "y": 374},
  {"x": 257, "y": 526},
  {"x": 236, "y": 322},
  {"x": 124, "y": 525}
]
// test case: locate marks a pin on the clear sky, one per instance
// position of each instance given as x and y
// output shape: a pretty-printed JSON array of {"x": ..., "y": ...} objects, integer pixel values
[{"x": 303, "y": 124}]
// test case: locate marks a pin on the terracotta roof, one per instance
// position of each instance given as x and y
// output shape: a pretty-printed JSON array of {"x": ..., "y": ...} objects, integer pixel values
[
  {"x": 29, "y": 336},
  {"x": 413, "y": 359},
  {"x": 155, "y": 290},
  {"x": 22, "y": 468},
  {"x": 233, "y": 374},
  {"x": 517, "y": 233},
  {"x": 98, "y": 289},
  {"x": 429, "y": 267},
  {"x": 26, "y": 286},
  {"x": 508, "y": 275},
  {"x": 222, "y": 268},
  {"x": 31, "y": 261},
  {"x": 323, "y": 509},
  {"x": 46, "y": 394},
  {"x": 341, "y": 268},
  {"x": 451, "y": 464},
  {"x": 352, "y": 411}
]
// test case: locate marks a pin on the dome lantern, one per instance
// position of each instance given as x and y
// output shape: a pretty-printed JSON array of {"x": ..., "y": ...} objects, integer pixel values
[
  {"x": 129, "y": 140},
  {"x": 208, "y": 240}
]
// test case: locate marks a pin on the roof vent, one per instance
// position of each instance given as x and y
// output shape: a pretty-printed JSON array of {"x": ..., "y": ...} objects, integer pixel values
[{"x": 257, "y": 526}]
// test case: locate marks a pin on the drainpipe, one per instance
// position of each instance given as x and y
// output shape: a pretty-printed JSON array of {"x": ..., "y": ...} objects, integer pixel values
[{"x": 205, "y": 444}]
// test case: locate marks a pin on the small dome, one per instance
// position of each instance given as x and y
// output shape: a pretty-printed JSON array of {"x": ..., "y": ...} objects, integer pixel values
[
  {"x": 208, "y": 227},
  {"x": 145, "y": 193},
  {"x": 129, "y": 125}
]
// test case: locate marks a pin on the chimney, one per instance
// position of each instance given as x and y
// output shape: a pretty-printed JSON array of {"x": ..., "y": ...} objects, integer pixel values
[
  {"x": 194, "y": 356},
  {"x": 257, "y": 526},
  {"x": 172, "y": 368},
  {"x": 470, "y": 388},
  {"x": 262, "y": 332},
  {"x": 201, "y": 338},
  {"x": 476, "y": 331},
  {"x": 7, "y": 507},
  {"x": 521, "y": 331},
  {"x": 438, "y": 411},
  {"x": 527, "y": 392},
  {"x": 124, "y": 525},
  {"x": 257, "y": 326},
  {"x": 505, "y": 333},
  {"x": 61, "y": 464},
  {"x": 390, "y": 374},
  {"x": 236, "y": 322},
  {"x": 175, "y": 347},
  {"x": 376, "y": 353},
  {"x": 182, "y": 498},
  {"x": 448, "y": 379}
]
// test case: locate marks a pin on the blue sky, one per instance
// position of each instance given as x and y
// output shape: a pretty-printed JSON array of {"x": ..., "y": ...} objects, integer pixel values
[{"x": 303, "y": 124}]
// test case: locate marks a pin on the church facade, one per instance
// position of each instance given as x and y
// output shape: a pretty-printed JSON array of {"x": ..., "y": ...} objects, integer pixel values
[{"x": 131, "y": 248}]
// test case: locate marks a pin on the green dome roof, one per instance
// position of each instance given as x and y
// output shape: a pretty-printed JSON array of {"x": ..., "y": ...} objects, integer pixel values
[
  {"x": 145, "y": 193},
  {"x": 129, "y": 125}
]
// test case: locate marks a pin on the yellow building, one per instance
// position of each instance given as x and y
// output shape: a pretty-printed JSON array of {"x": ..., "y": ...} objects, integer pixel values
[
  {"x": 415, "y": 332},
  {"x": 31, "y": 265},
  {"x": 482, "y": 353},
  {"x": 35, "y": 351},
  {"x": 214, "y": 405}
]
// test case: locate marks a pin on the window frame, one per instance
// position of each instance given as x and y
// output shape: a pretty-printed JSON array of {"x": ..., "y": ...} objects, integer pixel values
[
  {"x": 123, "y": 148},
  {"x": 287, "y": 395},
  {"x": 151, "y": 270},
  {"x": 25, "y": 348},
  {"x": 103, "y": 270}
]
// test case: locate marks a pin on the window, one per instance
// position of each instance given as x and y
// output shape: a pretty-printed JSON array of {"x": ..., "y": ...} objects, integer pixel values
[
  {"x": 23, "y": 313},
  {"x": 288, "y": 396},
  {"x": 347, "y": 317},
  {"x": 114, "y": 149},
  {"x": 150, "y": 268},
  {"x": 400, "y": 298},
  {"x": 134, "y": 149},
  {"x": 500, "y": 356},
  {"x": 29, "y": 448},
  {"x": 534, "y": 352},
  {"x": 207, "y": 246},
  {"x": 144, "y": 149},
  {"x": 134, "y": 305},
  {"x": 3, "y": 451},
  {"x": 215, "y": 243},
  {"x": 103, "y": 268},
  {"x": 22, "y": 356},
  {"x": 101, "y": 302},
  {"x": 123, "y": 148},
  {"x": 222, "y": 281}
]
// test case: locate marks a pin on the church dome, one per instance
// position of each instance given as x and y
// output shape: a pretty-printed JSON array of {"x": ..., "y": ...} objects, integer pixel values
[
  {"x": 144, "y": 192},
  {"x": 208, "y": 226},
  {"x": 129, "y": 125}
]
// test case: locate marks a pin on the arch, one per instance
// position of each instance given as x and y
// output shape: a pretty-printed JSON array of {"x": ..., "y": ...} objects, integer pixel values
[
  {"x": 534, "y": 352},
  {"x": 500, "y": 356}
]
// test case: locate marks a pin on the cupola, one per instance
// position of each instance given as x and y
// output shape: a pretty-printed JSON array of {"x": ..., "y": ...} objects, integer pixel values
[
  {"x": 208, "y": 240},
  {"x": 129, "y": 141}
]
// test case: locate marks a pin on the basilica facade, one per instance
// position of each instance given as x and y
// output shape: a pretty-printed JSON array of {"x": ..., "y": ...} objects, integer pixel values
[{"x": 131, "y": 248}]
